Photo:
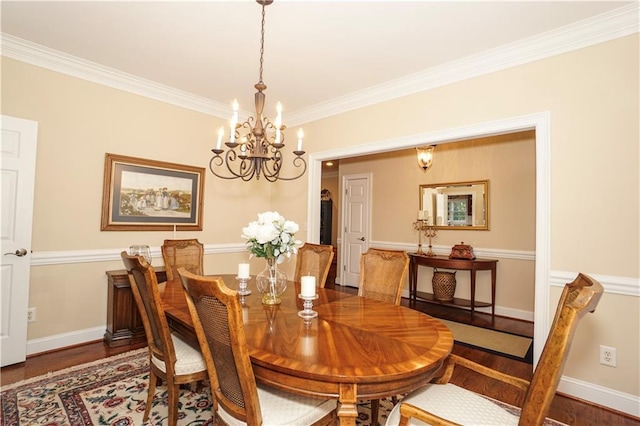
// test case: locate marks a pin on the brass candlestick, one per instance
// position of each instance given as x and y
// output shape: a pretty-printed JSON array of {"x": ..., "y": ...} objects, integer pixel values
[
  {"x": 430, "y": 232},
  {"x": 419, "y": 225}
]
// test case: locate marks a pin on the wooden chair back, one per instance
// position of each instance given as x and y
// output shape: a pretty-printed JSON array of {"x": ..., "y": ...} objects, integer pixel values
[
  {"x": 187, "y": 253},
  {"x": 314, "y": 260},
  {"x": 217, "y": 317},
  {"x": 578, "y": 298},
  {"x": 382, "y": 274},
  {"x": 144, "y": 286}
]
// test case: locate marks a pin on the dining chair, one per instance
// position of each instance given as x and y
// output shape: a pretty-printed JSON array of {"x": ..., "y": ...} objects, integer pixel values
[
  {"x": 216, "y": 313},
  {"x": 382, "y": 277},
  {"x": 442, "y": 400},
  {"x": 314, "y": 260},
  {"x": 382, "y": 274},
  {"x": 187, "y": 253},
  {"x": 171, "y": 359}
]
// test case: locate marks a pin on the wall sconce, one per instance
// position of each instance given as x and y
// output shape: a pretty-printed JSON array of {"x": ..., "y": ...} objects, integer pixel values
[{"x": 425, "y": 156}]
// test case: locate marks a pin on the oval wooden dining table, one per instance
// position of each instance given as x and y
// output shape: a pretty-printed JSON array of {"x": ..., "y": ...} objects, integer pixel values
[{"x": 355, "y": 349}]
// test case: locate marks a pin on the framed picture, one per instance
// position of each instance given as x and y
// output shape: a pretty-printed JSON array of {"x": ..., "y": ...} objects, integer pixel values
[{"x": 148, "y": 195}]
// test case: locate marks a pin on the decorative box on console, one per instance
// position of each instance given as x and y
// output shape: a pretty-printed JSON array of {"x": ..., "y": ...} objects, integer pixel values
[{"x": 462, "y": 251}]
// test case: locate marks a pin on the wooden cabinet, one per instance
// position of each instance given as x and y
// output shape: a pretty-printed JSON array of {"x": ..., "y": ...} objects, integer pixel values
[{"x": 124, "y": 325}]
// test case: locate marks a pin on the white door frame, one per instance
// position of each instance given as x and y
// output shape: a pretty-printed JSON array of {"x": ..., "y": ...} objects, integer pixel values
[{"x": 540, "y": 122}]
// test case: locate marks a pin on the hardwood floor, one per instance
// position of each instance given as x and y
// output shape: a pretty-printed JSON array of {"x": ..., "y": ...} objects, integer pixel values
[{"x": 565, "y": 409}]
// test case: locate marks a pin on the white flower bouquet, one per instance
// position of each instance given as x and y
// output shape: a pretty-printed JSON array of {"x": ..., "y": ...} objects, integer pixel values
[{"x": 272, "y": 237}]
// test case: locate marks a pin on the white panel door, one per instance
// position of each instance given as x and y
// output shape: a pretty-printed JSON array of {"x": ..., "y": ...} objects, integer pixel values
[
  {"x": 18, "y": 156},
  {"x": 356, "y": 207}
]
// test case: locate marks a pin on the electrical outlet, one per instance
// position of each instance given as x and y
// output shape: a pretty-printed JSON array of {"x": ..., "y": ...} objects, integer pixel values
[
  {"x": 31, "y": 315},
  {"x": 608, "y": 356}
]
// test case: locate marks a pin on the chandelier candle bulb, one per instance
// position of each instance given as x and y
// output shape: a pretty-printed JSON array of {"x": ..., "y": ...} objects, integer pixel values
[
  {"x": 308, "y": 286},
  {"x": 234, "y": 121},
  {"x": 300, "y": 135},
  {"x": 243, "y": 270},
  {"x": 220, "y": 135}
]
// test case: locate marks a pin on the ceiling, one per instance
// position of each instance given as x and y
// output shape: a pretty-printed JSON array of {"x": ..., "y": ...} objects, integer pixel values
[{"x": 316, "y": 52}]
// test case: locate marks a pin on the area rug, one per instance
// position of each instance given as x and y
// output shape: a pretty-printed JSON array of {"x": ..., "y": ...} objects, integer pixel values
[
  {"x": 113, "y": 391},
  {"x": 497, "y": 342}
]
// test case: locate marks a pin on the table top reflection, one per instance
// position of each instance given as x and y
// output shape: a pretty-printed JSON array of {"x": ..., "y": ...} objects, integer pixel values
[{"x": 356, "y": 348}]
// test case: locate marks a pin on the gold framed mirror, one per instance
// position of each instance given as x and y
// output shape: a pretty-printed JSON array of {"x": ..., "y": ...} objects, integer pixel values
[{"x": 459, "y": 205}]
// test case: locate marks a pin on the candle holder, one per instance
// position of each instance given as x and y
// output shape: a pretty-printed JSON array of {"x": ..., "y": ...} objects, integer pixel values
[
  {"x": 243, "y": 290},
  {"x": 419, "y": 225},
  {"x": 422, "y": 226},
  {"x": 307, "y": 313},
  {"x": 430, "y": 232}
]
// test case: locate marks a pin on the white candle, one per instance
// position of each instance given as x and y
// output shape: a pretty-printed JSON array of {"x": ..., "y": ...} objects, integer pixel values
[
  {"x": 300, "y": 135},
  {"x": 243, "y": 270},
  {"x": 234, "y": 121},
  {"x": 420, "y": 214},
  {"x": 220, "y": 134},
  {"x": 174, "y": 231},
  {"x": 308, "y": 286}
]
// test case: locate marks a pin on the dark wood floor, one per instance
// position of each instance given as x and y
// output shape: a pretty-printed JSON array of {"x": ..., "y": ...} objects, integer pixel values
[{"x": 565, "y": 409}]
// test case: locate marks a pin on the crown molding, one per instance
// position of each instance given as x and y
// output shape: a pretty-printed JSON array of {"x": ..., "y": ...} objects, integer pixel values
[
  {"x": 608, "y": 26},
  {"x": 54, "y": 60},
  {"x": 617, "y": 23}
]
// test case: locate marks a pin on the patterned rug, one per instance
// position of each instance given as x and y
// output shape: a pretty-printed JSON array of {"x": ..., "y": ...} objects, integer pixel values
[{"x": 112, "y": 391}]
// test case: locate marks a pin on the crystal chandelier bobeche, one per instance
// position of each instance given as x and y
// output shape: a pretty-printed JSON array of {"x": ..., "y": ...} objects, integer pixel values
[{"x": 259, "y": 149}]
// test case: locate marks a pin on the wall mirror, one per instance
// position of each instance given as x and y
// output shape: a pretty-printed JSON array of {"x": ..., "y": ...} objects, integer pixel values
[{"x": 461, "y": 205}]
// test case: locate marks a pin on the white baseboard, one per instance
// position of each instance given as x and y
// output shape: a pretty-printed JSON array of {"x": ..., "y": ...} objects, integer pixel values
[
  {"x": 500, "y": 310},
  {"x": 616, "y": 400},
  {"x": 64, "y": 340}
]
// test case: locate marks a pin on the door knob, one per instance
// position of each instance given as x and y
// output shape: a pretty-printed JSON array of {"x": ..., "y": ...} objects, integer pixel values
[
  {"x": 361, "y": 238},
  {"x": 19, "y": 252}
]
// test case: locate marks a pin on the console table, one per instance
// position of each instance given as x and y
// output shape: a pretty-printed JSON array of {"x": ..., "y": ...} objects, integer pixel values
[
  {"x": 456, "y": 264},
  {"x": 124, "y": 325}
]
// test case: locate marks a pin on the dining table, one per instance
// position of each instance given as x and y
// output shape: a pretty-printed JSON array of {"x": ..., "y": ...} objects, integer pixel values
[{"x": 355, "y": 349}]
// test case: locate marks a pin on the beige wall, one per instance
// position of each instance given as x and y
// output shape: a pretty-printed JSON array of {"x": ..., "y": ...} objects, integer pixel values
[{"x": 591, "y": 95}]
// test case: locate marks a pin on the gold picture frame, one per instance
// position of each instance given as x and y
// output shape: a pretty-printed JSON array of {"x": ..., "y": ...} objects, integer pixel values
[{"x": 148, "y": 195}]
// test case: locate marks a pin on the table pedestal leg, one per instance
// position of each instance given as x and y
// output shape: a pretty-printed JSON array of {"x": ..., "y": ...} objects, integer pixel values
[{"x": 347, "y": 408}]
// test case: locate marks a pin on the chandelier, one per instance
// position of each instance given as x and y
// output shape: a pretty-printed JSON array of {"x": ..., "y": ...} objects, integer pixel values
[{"x": 255, "y": 146}]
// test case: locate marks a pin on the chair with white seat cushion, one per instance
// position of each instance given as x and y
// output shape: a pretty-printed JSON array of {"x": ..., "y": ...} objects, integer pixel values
[
  {"x": 171, "y": 359},
  {"x": 216, "y": 314},
  {"x": 443, "y": 403}
]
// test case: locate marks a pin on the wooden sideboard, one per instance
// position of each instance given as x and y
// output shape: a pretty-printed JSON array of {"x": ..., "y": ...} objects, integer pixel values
[
  {"x": 456, "y": 264},
  {"x": 124, "y": 325}
]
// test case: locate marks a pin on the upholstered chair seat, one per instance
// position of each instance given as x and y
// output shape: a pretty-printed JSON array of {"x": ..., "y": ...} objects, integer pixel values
[
  {"x": 445, "y": 401},
  {"x": 286, "y": 409},
  {"x": 188, "y": 359}
]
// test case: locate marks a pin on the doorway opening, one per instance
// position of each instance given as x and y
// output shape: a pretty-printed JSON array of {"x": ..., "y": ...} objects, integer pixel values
[{"x": 540, "y": 123}]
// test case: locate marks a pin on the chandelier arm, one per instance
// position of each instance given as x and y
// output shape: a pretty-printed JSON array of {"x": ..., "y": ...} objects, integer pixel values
[
  {"x": 296, "y": 162},
  {"x": 230, "y": 157}
]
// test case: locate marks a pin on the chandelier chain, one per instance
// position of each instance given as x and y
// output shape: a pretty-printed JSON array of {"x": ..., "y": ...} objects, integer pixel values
[{"x": 262, "y": 43}]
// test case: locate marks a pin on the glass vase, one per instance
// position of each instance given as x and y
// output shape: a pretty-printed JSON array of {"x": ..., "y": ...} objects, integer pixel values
[{"x": 271, "y": 283}]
